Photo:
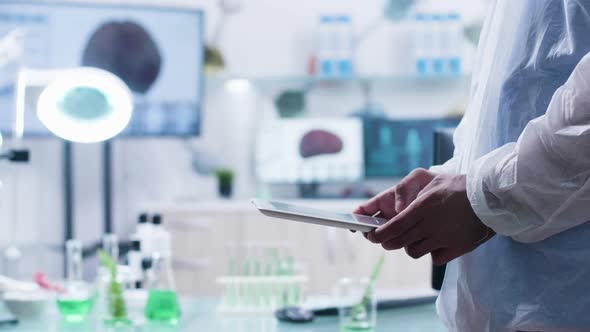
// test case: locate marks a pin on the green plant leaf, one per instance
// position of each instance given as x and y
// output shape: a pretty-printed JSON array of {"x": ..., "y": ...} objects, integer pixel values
[
  {"x": 115, "y": 295},
  {"x": 359, "y": 311},
  {"x": 108, "y": 262}
]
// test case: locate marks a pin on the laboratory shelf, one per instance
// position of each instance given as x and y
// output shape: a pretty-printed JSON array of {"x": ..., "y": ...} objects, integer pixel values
[{"x": 221, "y": 79}]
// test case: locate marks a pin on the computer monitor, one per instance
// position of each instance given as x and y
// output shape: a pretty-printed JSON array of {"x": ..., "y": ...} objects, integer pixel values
[
  {"x": 306, "y": 151},
  {"x": 156, "y": 51},
  {"x": 393, "y": 148}
]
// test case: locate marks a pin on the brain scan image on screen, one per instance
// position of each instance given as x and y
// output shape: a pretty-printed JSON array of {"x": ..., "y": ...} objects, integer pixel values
[
  {"x": 127, "y": 50},
  {"x": 310, "y": 151},
  {"x": 156, "y": 50},
  {"x": 320, "y": 142}
]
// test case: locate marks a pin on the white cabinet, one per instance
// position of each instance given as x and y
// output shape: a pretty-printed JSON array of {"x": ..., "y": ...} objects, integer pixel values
[{"x": 201, "y": 234}]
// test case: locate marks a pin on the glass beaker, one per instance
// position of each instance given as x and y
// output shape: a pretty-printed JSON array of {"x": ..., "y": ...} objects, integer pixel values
[
  {"x": 111, "y": 284},
  {"x": 76, "y": 302},
  {"x": 357, "y": 307},
  {"x": 116, "y": 314}
]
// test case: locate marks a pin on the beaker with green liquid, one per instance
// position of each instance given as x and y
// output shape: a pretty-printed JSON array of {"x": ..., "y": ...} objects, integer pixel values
[
  {"x": 76, "y": 302},
  {"x": 75, "y": 309},
  {"x": 357, "y": 302},
  {"x": 162, "y": 304},
  {"x": 357, "y": 306}
]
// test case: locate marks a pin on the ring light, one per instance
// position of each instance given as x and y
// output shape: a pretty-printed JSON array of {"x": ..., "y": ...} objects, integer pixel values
[{"x": 85, "y": 105}]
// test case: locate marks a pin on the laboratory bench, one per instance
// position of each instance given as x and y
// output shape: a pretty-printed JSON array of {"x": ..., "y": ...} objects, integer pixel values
[
  {"x": 199, "y": 314},
  {"x": 202, "y": 231}
]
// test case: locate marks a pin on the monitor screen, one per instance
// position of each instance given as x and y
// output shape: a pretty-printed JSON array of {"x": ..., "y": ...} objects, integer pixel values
[
  {"x": 157, "y": 52},
  {"x": 393, "y": 148},
  {"x": 310, "y": 151}
]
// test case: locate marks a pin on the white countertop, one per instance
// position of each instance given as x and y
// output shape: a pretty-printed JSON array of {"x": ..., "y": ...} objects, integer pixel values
[{"x": 241, "y": 206}]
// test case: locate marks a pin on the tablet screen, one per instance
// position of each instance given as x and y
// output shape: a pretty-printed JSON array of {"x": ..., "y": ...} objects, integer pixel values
[{"x": 322, "y": 214}]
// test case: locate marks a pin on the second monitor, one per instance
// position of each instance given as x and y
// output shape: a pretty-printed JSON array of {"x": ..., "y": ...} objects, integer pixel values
[{"x": 156, "y": 51}]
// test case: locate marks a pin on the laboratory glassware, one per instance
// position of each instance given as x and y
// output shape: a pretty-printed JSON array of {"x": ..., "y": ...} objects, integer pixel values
[
  {"x": 115, "y": 314},
  {"x": 110, "y": 245},
  {"x": 261, "y": 278},
  {"x": 76, "y": 302},
  {"x": 162, "y": 304},
  {"x": 134, "y": 258},
  {"x": 144, "y": 232},
  {"x": 357, "y": 305}
]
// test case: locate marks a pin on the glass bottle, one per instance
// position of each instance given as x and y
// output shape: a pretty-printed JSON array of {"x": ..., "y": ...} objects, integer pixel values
[
  {"x": 160, "y": 238},
  {"x": 146, "y": 272},
  {"x": 76, "y": 302},
  {"x": 144, "y": 234},
  {"x": 162, "y": 305},
  {"x": 134, "y": 258},
  {"x": 110, "y": 245}
]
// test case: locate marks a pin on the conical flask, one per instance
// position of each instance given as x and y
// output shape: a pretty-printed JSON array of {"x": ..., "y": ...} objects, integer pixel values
[{"x": 162, "y": 304}]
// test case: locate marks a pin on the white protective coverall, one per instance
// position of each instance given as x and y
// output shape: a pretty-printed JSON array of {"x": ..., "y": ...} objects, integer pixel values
[{"x": 524, "y": 144}]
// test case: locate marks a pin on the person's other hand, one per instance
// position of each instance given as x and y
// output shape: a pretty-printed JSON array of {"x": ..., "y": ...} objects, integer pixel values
[
  {"x": 395, "y": 199},
  {"x": 439, "y": 221}
]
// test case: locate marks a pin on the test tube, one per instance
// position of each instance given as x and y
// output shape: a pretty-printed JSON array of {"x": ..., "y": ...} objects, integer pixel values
[
  {"x": 110, "y": 244},
  {"x": 230, "y": 297}
]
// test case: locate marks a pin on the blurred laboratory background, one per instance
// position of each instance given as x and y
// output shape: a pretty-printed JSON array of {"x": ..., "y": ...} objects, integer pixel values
[{"x": 174, "y": 114}]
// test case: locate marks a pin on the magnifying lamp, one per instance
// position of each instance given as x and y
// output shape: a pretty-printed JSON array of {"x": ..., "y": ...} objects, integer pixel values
[{"x": 82, "y": 105}]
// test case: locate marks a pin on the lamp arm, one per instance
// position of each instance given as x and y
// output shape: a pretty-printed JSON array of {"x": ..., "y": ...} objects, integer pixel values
[
  {"x": 19, "y": 109},
  {"x": 28, "y": 77}
]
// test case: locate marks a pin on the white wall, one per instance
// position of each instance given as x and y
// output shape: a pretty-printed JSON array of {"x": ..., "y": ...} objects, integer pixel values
[{"x": 269, "y": 38}]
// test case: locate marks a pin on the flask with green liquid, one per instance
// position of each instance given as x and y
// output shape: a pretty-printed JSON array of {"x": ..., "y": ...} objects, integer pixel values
[
  {"x": 76, "y": 302},
  {"x": 162, "y": 304}
]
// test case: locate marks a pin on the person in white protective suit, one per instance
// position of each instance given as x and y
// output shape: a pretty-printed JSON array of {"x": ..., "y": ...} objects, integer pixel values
[{"x": 510, "y": 211}]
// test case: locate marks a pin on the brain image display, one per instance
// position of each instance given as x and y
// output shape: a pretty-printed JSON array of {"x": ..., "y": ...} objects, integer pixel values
[
  {"x": 310, "y": 150},
  {"x": 320, "y": 142},
  {"x": 127, "y": 50},
  {"x": 156, "y": 50}
]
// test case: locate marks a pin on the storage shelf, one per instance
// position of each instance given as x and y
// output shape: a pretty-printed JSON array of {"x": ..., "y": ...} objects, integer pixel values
[{"x": 221, "y": 79}]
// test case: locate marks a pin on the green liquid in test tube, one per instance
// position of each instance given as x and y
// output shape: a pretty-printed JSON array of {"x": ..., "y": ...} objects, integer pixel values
[
  {"x": 267, "y": 268},
  {"x": 246, "y": 299},
  {"x": 231, "y": 288},
  {"x": 291, "y": 287},
  {"x": 257, "y": 287}
]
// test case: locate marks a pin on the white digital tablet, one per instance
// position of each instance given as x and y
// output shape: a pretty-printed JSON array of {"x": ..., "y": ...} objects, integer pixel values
[{"x": 292, "y": 212}]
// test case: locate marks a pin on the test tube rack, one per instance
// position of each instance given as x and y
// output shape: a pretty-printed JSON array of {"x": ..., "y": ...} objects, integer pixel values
[
  {"x": 262, "y": 277},
  {"x": 260, "y": 294}
]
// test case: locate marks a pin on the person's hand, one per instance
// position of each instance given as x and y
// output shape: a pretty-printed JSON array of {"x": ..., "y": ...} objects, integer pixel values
[
  {"x": 395, "y": 199},
  {"x": 439, "y": 221}
]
